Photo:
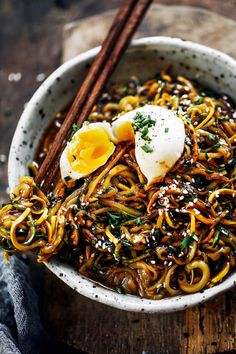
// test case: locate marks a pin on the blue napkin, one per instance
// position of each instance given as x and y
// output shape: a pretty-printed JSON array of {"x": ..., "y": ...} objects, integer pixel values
[{"x": 21, "y": 329}]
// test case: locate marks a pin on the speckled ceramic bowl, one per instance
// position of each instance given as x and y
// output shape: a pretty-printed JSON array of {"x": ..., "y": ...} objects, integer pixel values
[{"x": 145, "y": 57}]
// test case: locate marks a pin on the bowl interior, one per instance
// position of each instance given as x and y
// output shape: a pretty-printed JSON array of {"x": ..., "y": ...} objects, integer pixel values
[{"x": 144, "y": 58}]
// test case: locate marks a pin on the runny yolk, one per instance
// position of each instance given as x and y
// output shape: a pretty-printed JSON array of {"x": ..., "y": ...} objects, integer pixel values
[
  {"x": 125, "y": 132},
  {"x": 89, "y": 150}
]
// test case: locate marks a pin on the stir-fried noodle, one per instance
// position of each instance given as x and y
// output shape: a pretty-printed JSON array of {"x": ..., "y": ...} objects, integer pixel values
[{"x": 172, "y": 237}]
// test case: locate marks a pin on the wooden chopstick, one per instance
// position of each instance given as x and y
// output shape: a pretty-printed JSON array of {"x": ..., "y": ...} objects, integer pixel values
[
  {"x": 128, "y": 18},
  {"x": 51, "y": 161}
]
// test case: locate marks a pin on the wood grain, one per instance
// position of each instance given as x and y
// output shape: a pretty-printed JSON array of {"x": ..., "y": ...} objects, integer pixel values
[
  {"x": 195, "y": 24},
  {"x": 97, "y": 328}
]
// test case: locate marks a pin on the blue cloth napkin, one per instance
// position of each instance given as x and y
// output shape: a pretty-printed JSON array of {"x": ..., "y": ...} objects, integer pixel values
[{"x": 21, "y": 330}]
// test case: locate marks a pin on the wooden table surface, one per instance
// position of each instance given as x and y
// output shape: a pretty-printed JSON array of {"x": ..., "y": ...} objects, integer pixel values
[{"x": 30, "y": 48}]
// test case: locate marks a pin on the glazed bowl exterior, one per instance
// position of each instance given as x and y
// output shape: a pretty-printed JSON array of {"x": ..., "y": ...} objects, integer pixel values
[{"x": 144, "y": 58}]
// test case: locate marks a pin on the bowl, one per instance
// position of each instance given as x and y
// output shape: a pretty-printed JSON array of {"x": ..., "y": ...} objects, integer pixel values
[{"x": 144, "y": 57}]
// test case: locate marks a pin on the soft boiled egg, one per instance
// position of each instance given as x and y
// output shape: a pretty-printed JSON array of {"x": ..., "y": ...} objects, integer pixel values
[
  {"x": 159, "y": 138},
  {"x": 158, "y": 133},
  {"x": 90, "y": 147}
]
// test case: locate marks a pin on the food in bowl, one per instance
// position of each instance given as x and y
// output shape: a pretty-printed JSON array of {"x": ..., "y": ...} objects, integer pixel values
[{"x": 143, "y": 217}]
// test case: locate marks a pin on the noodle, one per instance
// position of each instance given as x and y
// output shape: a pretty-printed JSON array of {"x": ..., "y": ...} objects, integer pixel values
[{"x": 175, "y": 236}]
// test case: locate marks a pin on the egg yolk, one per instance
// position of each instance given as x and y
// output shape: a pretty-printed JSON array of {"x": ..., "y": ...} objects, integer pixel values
[
  {"x": 124, "y": 132},
  {"x": 89, "y": 150}
]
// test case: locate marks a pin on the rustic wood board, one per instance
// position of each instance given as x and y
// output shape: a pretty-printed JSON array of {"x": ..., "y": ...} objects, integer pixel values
[
  {"x": 96, "y": 328},
  {"x": 190, "y": 23}
]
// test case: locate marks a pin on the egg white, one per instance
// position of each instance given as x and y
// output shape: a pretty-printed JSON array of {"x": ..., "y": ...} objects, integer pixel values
[
  {"x": 165, "y": 146},
  {"x": 167, "y": 137}
]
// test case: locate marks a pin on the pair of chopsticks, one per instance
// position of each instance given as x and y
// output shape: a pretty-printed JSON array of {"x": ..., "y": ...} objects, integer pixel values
[{"x": 123, "y": 27}]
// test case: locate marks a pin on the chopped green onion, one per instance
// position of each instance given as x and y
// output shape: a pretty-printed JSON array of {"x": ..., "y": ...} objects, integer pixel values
[
  {"x": 143, "y": 102},
  {"x": 216, "y": 239},
  {"x": 75, "y": 128},
  {"x": 216, "y": 146},
  {"x": 213, "y": 138},
  {"x": 126, "y": 243},
  {"x": 120, "y": 290},
  {"x": 139, "y": 222},
  {"x": 188, "y": 240},
  {"x": 200, "y": 100},
  {"x": 147, "y": 148}
]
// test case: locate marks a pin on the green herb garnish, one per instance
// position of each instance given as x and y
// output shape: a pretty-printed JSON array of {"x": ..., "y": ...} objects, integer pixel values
[
  {"x": 200, "y": 100},
  {"x": 125, "y": 90},
  {"x": 166, "y": 130},
  {"x": 126, "y": 243},
  {"x": 107, "y": 190},
  {"x": 172, "y": 249},
  {"x": 115, "y": 220},
  {"x": 147, "y": 148},
  {"x": 120, "y": 290},
  {"x": 216, "y": 146},
  {"x": 143, "y": 102},
  {"x": 143, "y": 122},
  {"x": 188, "y": 240},
  {"x": 216, "y": 238},
  {"x": 43, "y": 236},
  {"x": 220, "y": 232},
  {"x": 144, "y": 132},
  {"x": 223, "y": 118},
  {"x": 213, "y": 138},
  {"x": 139, "y": 222},
  {"x": 75, "y": 128}
]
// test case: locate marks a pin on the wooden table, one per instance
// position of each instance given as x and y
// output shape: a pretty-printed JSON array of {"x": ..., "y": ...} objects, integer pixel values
[{"x": 30, "y": 44}]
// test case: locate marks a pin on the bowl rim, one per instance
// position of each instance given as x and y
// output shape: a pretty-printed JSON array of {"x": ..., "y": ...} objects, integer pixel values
[{"x": 71, "y": 277}]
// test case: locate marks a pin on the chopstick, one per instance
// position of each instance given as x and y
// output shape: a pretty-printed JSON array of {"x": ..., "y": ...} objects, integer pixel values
[{"x": 124, "y": 25}]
